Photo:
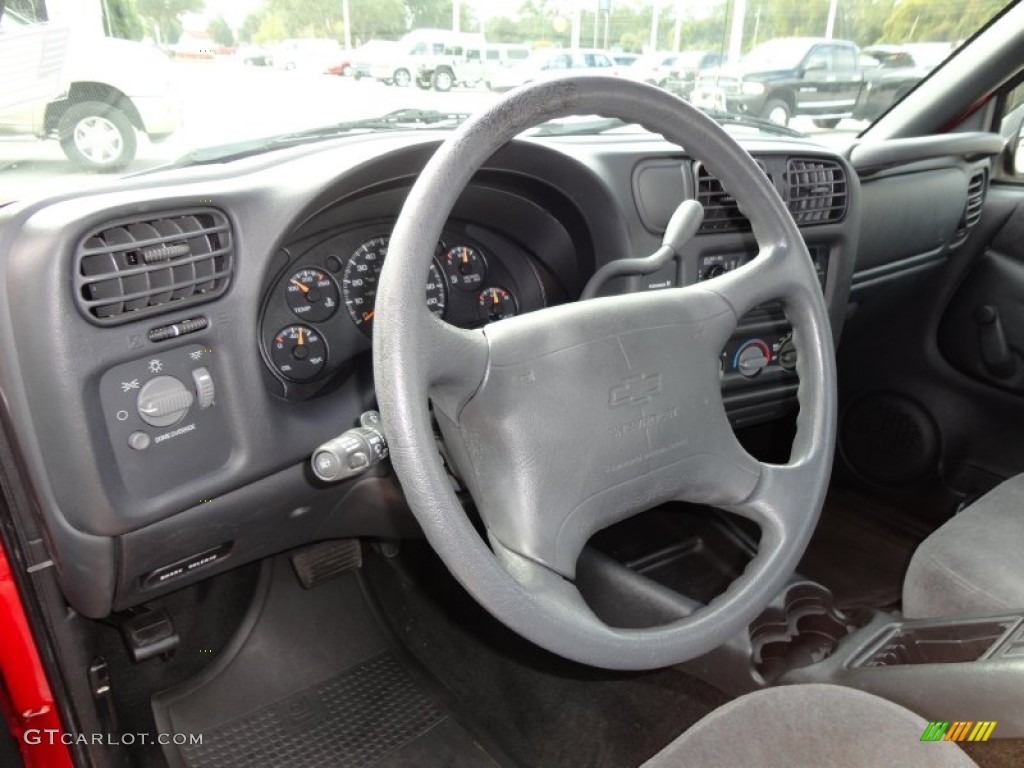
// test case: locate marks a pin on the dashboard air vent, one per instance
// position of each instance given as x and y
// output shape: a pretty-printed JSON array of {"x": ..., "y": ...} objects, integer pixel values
[
  {"x": 972, "y": 209},
  {"x": 721, "y": 213},
  {"x": 817, "y": 191},
  {"x": 152, "y": 264}
]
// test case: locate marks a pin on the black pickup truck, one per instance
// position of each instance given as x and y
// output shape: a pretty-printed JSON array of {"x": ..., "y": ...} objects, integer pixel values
[{"x": 820, "y": 78}]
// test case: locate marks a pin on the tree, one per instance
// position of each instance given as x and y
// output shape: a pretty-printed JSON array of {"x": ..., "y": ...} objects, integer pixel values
[
  {"x": 249, "y": 26},
  {"x": 376, "y": 19},
  {"x": 437, "y": 14},
  {"x": 308, "y": 18},
  {"x": 163, "y": 17},
  {"x": 221, "y": 31},
  {"x": 121, "y": 19}
]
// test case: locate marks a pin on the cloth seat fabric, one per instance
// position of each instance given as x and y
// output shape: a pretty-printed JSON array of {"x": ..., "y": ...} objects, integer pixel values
[
  {"x": 973, "y": 564},
  {"x": 824, "y": 726}
]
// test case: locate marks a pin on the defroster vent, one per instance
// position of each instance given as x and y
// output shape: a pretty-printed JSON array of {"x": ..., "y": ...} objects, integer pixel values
[
  {"x": 152, "y": 264},
  {"x": 817, "y": 190}
]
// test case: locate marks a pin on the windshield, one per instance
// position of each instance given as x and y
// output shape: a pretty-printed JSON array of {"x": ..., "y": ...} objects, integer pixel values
[{"x": 94, "y": 89}]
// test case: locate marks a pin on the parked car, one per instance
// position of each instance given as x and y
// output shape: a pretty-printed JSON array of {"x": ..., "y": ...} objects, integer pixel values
[
  {"x": 107, "y": 91},
  {"x": 683, "y": 73},
  {"x": 499, "y": 56},
  {"x": 786, "y": 77},
  {"x": 400, "y": 65},
  {"x": 342, "y": 69},
  {"x": 890, "y": 73},
  {"x": 653, "y": 68},
  {"x": 582, "y": 61},
  {"x": 254, "y": 56},
  {"x": 441, "y": 59},
  {"x": 309, "y": 54},
  {"x": 367, "y": 56},
  {"x": 624, "y": 59}
]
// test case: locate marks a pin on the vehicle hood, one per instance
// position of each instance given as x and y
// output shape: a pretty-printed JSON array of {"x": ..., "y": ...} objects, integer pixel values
[{"x": 740, "y": 72}]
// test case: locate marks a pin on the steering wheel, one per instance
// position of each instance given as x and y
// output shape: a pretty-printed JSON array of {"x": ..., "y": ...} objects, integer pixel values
[{"x": 566, "y": 420}]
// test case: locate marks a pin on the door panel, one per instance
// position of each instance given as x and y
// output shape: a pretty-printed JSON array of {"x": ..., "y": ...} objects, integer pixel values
[
  {"x": 982, "y": 332},
  {"x": 910, "y": 375}
]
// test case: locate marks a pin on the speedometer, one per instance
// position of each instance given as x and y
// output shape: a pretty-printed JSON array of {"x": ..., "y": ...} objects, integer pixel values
[{"x": 362, "y": 272}]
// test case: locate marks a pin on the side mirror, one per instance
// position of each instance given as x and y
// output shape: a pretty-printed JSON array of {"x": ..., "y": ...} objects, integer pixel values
[{"x": 814, "y": 66}]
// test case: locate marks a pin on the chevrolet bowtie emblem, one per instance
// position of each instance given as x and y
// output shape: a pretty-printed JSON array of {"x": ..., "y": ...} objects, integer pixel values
[{"x": 635, "y": 390}]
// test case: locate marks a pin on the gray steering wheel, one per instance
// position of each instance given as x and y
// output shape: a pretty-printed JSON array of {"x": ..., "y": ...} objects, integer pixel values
[{"x": 566, "y": 420}]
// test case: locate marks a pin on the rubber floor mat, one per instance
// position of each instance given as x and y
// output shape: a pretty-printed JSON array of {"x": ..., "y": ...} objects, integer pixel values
[
  {"x": 355, "y": 719},
  {"x": 313, "y": 681}
]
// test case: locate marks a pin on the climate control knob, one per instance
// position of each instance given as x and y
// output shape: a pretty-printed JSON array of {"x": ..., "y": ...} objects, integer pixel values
[{"x": 715, "y": 270}]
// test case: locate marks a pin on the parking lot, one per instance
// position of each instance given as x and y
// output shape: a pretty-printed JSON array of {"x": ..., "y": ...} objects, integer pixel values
[{"x": 225, "y": 101}]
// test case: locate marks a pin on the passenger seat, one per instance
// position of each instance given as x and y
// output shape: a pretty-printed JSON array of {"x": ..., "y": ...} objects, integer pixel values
[{"x": 974, "y": 564}]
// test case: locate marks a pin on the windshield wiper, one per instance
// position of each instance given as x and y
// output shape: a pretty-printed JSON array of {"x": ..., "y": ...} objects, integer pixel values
[
  {"x": 579, "y": 127},
  {"x": 603, "y": 124},
  {"x": 730, "y": 118},
  {"x": 399, "y": 120}
]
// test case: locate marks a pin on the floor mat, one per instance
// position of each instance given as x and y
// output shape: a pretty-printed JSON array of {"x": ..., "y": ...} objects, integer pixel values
[
  {"x": 544, "y": 710},
  {"x": 312, "y": 679},
  {"x": 859, "y": 552}
]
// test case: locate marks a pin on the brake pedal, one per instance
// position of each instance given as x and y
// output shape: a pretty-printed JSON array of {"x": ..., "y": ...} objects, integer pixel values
[{"x": 322, "y": 562}]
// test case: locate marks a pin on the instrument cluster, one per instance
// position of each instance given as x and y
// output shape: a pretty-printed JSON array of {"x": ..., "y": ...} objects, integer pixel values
[{"x": 319, "y": 313}]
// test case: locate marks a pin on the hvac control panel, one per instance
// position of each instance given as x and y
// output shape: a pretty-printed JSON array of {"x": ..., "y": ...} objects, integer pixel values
[
  {"x": 162, "y": 417},
  {"x": 711, "y": 265}
]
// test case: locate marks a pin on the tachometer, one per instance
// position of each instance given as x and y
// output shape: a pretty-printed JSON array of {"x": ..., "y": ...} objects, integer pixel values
[{"x": 359, "y": 283}]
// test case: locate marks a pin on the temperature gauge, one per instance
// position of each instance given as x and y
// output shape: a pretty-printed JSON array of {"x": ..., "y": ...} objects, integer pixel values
[
  {"x": 465, "y": 267},
  {"x": 495, "y": 304},
  {"x": 299, "y": 353},
  {"x": 312, "y": 294}
]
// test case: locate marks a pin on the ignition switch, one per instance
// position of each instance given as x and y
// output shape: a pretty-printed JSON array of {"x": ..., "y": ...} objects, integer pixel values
[{"x": 352, "y": 452}]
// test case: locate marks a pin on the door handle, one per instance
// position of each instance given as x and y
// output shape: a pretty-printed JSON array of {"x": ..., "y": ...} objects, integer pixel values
[{"x": 996, "y": 355}]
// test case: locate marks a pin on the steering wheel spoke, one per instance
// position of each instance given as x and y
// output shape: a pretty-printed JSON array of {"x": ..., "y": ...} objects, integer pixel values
[{"x": 456, "y": 364}]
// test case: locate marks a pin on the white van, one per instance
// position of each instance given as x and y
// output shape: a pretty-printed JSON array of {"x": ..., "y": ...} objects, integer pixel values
[
  {"x": 91, "y": 94},
  {"x": 500, "y": 56},
  {"x": 456, "y": 57}
]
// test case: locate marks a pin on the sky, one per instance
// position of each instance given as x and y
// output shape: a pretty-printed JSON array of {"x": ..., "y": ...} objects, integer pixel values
[{"x": 235, "y": 11}]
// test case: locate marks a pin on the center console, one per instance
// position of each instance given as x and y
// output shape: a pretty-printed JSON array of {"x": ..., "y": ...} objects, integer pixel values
[{"x": 758, "y": 365}]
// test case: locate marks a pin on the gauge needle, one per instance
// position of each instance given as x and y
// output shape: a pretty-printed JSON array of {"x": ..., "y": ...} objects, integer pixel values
[
  {"x": 465, "y": 256},
  {"x": 367, "y": 316},
  {"x": 495, "y": 295},
  {"x": 301, "y": 342},
  {"x": 300, "y": 286}
]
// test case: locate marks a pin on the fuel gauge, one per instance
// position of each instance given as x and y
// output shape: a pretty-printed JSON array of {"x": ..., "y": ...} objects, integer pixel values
[
  {"x": 496, "y": 303},
  {"x": 299, "y": 353}
]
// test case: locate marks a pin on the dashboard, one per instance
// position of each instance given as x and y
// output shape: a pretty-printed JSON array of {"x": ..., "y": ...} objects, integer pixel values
[{"x": 176, "y": 345}]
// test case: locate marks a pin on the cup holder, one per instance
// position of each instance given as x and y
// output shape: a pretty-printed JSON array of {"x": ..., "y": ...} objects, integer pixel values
[{"x": 802, "y": 627}]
